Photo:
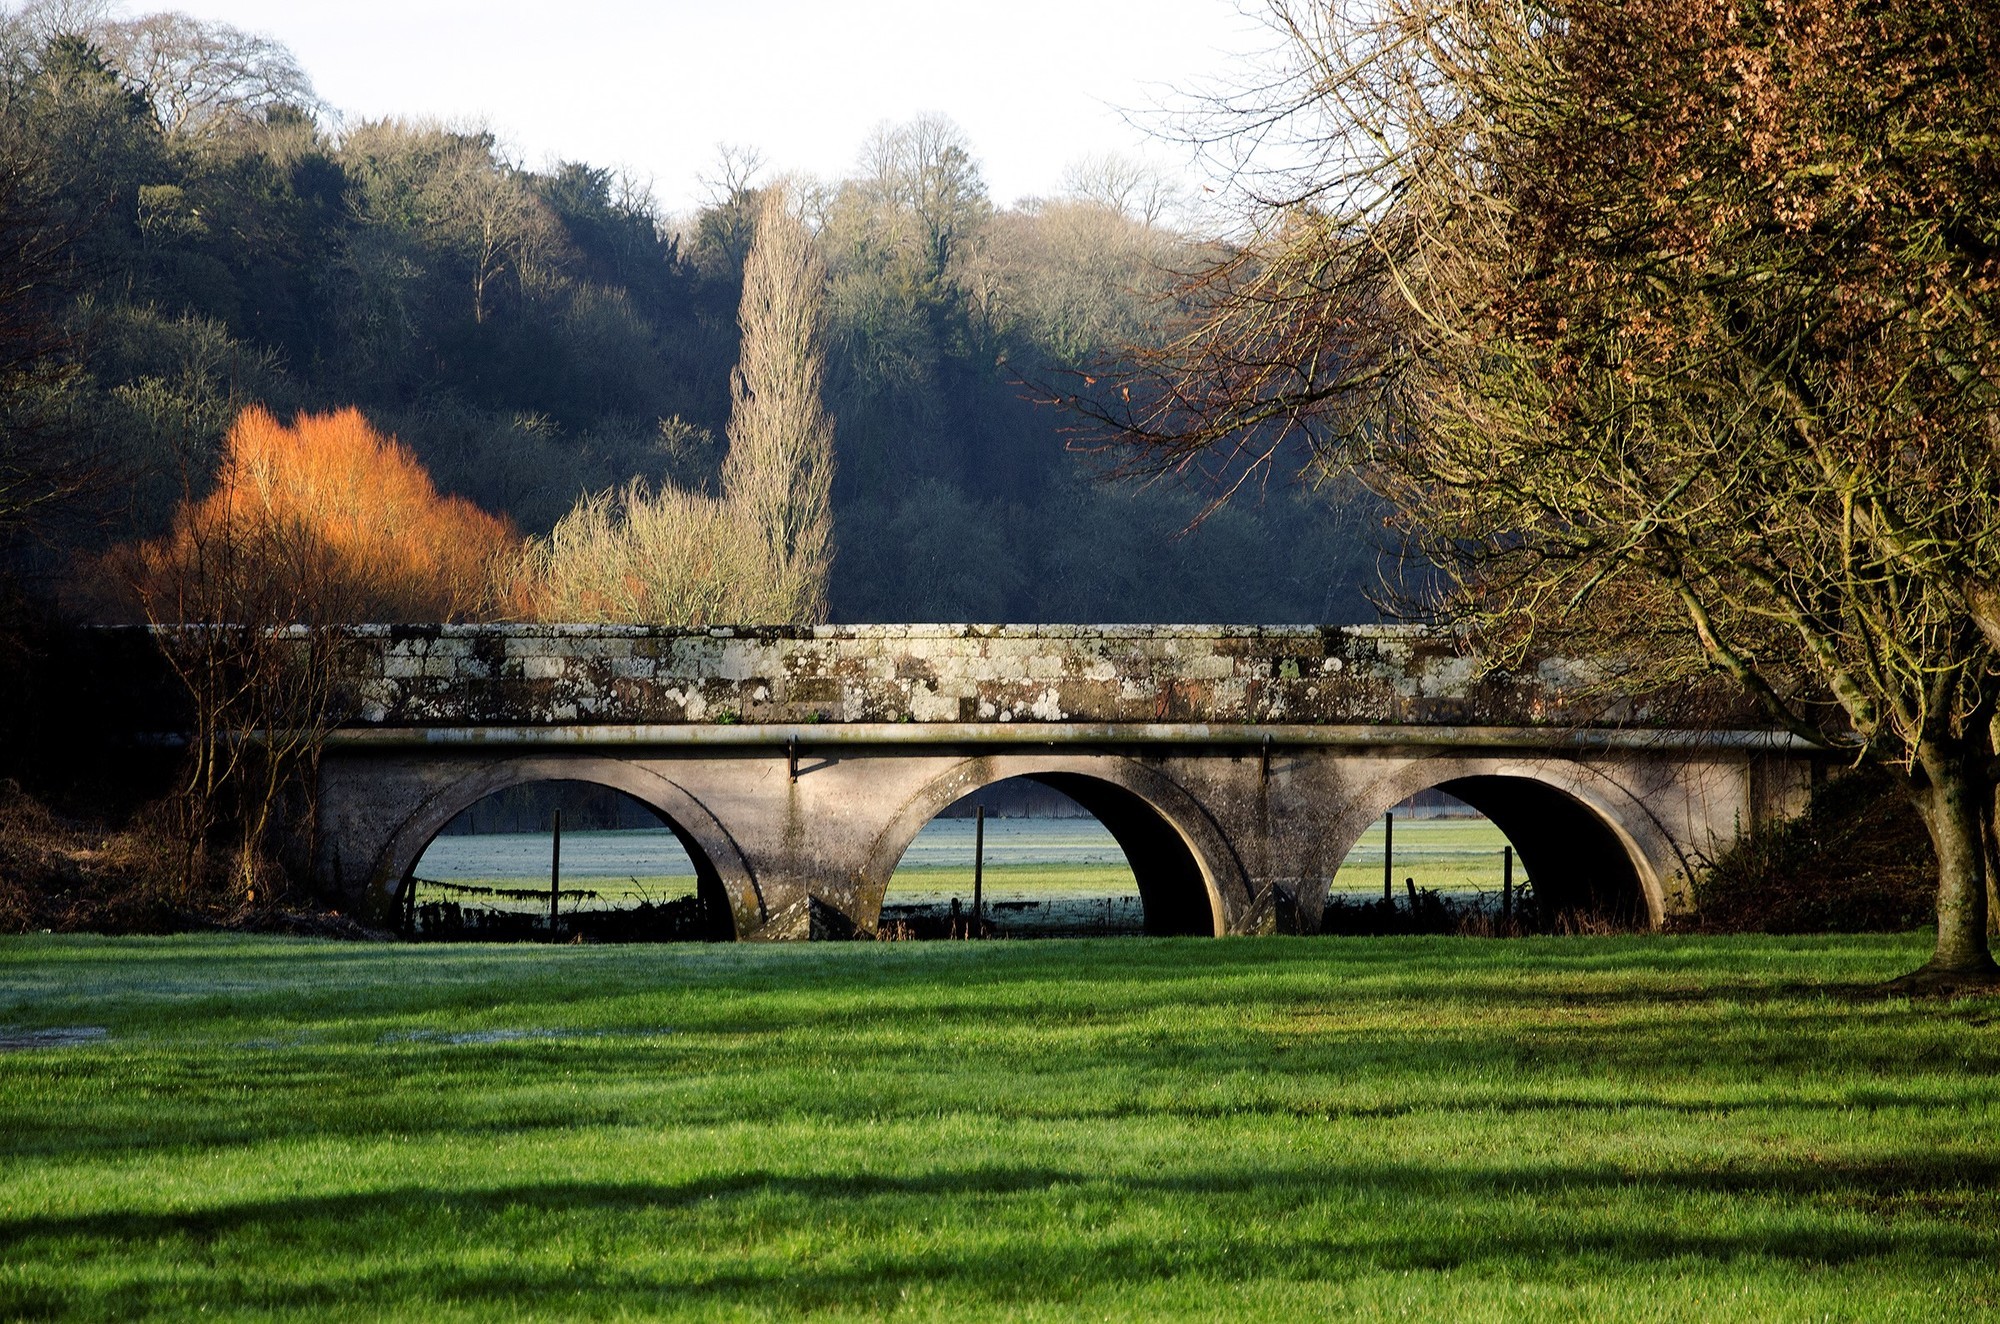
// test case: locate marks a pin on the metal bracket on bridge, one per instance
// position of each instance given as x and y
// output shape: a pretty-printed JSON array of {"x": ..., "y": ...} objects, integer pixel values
[
  {"x": 792, "y": 756},
  {"x": 1264, "y": 763}
]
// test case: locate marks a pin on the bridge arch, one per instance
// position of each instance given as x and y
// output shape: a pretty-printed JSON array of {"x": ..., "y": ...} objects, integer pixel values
[
  {"x": 1590, "y": 842},
  {"x": 1190, "y": 879},
  {"x": 718, "y": 862}
]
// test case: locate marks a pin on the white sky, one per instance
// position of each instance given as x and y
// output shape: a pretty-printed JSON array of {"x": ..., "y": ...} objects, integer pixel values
[{"x": 654, "y": 87}]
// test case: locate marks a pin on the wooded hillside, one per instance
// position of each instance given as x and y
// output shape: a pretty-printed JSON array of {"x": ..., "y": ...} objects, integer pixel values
[{"x": 533, "y": 333}]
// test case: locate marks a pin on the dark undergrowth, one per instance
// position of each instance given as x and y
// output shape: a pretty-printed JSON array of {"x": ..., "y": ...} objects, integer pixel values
[
  {"x": 1425, "y": 913},
  {"x": 65, "y": 873},
  {"x": 684, "y": 919},
  {"x": 1857, "y": 861}
]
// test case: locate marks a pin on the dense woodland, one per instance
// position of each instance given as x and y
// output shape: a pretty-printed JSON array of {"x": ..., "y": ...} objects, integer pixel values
[{"x": 202, "y": 235}]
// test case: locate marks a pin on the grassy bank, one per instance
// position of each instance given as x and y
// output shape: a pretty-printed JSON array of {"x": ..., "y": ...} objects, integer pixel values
[{"x": 1641, "y": 1128}]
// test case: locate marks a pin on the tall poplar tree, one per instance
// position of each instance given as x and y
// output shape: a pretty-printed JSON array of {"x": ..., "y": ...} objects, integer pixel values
[{"x": 778, "y": 479}]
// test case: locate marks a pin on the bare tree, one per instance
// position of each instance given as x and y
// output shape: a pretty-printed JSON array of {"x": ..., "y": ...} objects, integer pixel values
[
  {"x": 202, "y": 76},
  {"x": 733, "y": 173},
  {"x": 1075, "y": 276},
  {"x": 761, "y": 552},
  {"x": 924, "y": 171},
  {"x": 493, "y": 217},
  {"x": 727, "y": 226},
  {"x": 259, "y": 657},
  {"x": 306, "y": 529},
  {"x": 1130, "y": 188},
  {"x": 34, "y": 23},
  {"x": 463, "y": 194}
]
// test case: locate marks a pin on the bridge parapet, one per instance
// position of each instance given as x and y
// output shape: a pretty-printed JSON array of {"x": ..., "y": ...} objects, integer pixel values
[{"x": 460, "y": 675}]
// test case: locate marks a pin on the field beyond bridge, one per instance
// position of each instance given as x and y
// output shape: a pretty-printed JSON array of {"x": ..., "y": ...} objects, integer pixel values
[{"x": 1652, "y": 1127}]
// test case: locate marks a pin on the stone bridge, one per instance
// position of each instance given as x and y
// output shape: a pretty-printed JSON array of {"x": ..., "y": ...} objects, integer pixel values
[{"x": 1235, "y": 766}]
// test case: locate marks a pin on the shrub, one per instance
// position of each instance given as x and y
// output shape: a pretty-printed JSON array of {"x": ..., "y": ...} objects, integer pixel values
[
  {"x": 667, "y": 557},
  {"x": 1857, "y": 861},
  {"x": 325, "y": 520}
]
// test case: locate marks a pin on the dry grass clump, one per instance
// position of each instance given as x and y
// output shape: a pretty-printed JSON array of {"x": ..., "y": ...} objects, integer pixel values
[{"x": 664, "y": 557}]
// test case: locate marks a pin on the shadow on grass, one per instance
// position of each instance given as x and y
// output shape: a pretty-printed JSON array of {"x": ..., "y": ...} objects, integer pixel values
[
  {"x": 1560, "y": 1076},
  {"x": 1084, "y": 1062},
  {"x": 1445, "y": 1219}
]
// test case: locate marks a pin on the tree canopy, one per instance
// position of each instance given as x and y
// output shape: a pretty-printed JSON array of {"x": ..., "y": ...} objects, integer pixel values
[{"x": 1670, "y": 329}]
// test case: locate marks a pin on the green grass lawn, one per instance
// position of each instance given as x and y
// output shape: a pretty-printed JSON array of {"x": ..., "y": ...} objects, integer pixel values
[{"x": 1270, "y": 1129}]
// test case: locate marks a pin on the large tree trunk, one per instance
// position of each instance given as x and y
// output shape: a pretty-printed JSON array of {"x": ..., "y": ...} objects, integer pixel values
[{"x": 1954, "y": 800}]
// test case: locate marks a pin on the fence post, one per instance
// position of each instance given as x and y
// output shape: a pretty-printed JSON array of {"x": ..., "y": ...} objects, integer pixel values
[
  {"x": 1507, "y": 882},
  {"x": 978, "y": 871},
  {"x": 1389, "y": 858},
  {"x": 555, "y": 873}
]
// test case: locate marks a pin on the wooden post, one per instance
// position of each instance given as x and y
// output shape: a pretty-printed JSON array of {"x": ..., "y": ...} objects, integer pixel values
[
  {"x": 410, "y": 905},
  {"x": 555, "y": 873},
  {"x": 1389, "y": 858},
  {"x": 978, "y": 871},
  {"x": 1507, "y": 882}
]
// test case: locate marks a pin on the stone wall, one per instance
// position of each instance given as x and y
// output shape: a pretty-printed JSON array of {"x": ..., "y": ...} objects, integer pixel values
[{"x": 599, "y": 674}]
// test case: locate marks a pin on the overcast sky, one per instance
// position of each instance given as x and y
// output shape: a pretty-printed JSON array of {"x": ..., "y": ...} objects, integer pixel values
[{"x": 654, "y": 85}]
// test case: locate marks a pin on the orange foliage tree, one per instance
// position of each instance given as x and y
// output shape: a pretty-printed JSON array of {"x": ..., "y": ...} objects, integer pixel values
[
  {"x": 308, "y": 527},
  {"x": 330, "y": 521}
]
